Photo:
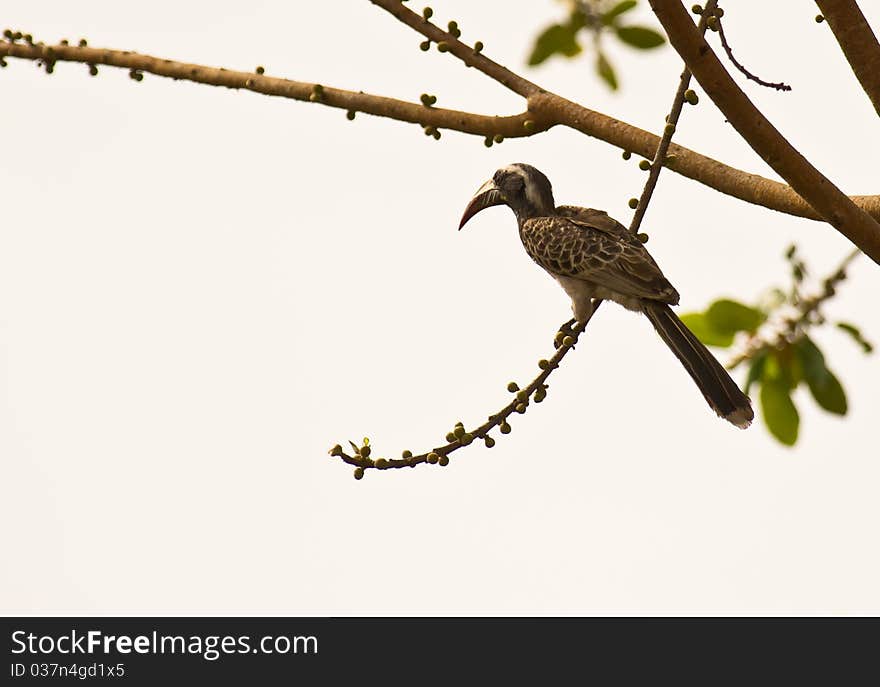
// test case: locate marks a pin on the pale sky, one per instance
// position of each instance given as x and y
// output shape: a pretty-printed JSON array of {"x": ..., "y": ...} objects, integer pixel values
[{"x": 201, "y": 291}]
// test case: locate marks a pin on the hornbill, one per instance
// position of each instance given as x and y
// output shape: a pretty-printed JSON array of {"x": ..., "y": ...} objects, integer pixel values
[{"x": 593, "y": 256}]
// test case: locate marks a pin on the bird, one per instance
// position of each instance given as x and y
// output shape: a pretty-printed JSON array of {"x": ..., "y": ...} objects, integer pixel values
[{"x": 593, "y": 256}]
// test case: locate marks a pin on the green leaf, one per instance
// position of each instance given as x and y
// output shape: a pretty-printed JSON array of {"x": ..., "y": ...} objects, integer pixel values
[
  {"x": 824, "y": 385},
  {"x": 854, "y": 332},
  {"x": 756, "y": 371},
  {"x": 611, "y": 15},
  {"x": 699, "y": 324},
  {"x": 730, "y": 316},
  {"x": 606, "y": 71},
  {"x": 640, "y": 37},
  {"x": 556, "y": 39},
  {"x": 830, "y": 394},
  {"x": 780, "y": 414}
]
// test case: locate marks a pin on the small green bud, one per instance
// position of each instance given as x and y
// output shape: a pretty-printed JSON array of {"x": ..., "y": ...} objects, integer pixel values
[
  {"x": 93, "y": 70},
  {"x": 819, "y": 18},
  {"x": 478, "y": 46},
  {"x": 7, "y": 33},
  {"x": 522, "y": 396},
  {"x": 466, "y": 438},
  {"x": 529, "y": 125},
  {"x": 567, "y": 341},
  {"x": 633, "y": 203},
  {"x": 50, "y": 67},
  {"x": 2, "y": 62},
  {"x": 488, "y": 142},
  {"x": 712, "y": 23},
  {"x": 365, "y": 451},
  {"x": 433, "y": 458},
  {"x": 718, "y": 12},
  {"x": 260, "y": 70},
  {"x": 543, "y": 364},
  {"x": 318, "y": 89},
  {"x": 670, "y": 159},
  {"x": 513, "y": 387},
  {"x": 436, "y": 135},
  {"x": 644, "y": 165},
  {"x": 314, "y": 97},
  {"x": 490, "y": 442},
  {"x": 425, "y": 46},
  {"x": 453, "y": 25},
  {"x": 83, "y": 42},
  {"x": 381, "y": 463},
  {"x": 642, "y": 237},
  {"x": 427, "y": 13},
  {"x": 458, "y": 431},
  {"x": 669, "y": 129},
  {"x": 504, "y": 428},
  {"x": 540, "y": 395},
  {"x": 626, "y": 155},
  {"x": 443, "y": 46},
  {"x": 498, "y": 138},
  {"x": 358, "y": 473},
  {"x": 336, "y": 450},
  {"x": 444, "y": 461},
  {"x": 406, "y": 454},
  {"x": 697, "y": 9},
  {"x": 350, "y": 115},
  {"x": 520, "y": 408},
  {"x": 691, "y": 96},
  {"x": 64, "y": 41},
  {"x": 450, "y": 437},
  {"x": 28, "y": 38},
  {"x": 432, "y": 100}
]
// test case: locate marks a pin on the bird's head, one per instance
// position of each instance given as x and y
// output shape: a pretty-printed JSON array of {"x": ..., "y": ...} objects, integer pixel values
[{"x": 521, "y": 187}]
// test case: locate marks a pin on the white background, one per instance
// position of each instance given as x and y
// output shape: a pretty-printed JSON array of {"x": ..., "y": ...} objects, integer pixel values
[{"x": 203, "y": 290}]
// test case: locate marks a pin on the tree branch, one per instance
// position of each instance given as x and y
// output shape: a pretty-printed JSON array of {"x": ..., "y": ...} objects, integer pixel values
[
  {"x": 836, "y": 208},
  {"x": 858, "y": 42},
  {"x": 544, "y": 111},
  {"x": 459, "y": 437},
  {"x": 466, "y": 122}
]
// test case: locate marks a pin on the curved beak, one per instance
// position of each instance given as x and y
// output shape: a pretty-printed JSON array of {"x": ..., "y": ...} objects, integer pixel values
[{"x": 486, "y": 196}]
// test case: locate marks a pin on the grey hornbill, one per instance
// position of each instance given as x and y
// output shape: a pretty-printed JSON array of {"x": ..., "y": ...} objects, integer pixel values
[{"x": 593, "y": 256}]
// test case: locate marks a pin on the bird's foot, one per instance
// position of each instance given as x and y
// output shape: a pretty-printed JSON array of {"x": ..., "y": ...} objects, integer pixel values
[{"x": 564, "y": 331}]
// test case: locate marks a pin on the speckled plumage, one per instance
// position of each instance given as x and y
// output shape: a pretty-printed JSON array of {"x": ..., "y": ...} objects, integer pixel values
[
  {"x": 589, "y": 246},
  {"x": 593, "y": 256}
]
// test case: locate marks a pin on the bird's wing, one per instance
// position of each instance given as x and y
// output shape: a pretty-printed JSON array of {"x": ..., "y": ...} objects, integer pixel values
[{"x": 587, "y": 244}]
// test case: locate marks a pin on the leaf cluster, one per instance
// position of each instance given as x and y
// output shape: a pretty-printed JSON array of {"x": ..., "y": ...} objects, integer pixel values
[
  {"x": 597, "y": 18},
  {"x": 780, "y": 363}
]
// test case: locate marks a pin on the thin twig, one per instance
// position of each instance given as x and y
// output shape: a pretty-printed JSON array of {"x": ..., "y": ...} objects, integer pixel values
[
  {"x": 778, "y": 86},
  {"x": 521, "y": 398}
]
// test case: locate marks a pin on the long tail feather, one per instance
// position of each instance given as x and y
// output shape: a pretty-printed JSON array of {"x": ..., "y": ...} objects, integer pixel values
[{"x": 719, "y": 390}]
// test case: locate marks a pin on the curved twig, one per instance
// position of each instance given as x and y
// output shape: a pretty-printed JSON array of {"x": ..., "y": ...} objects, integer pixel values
[
  {"x": 521, "y": 399},
  {"x": 779, "y": 86}
]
